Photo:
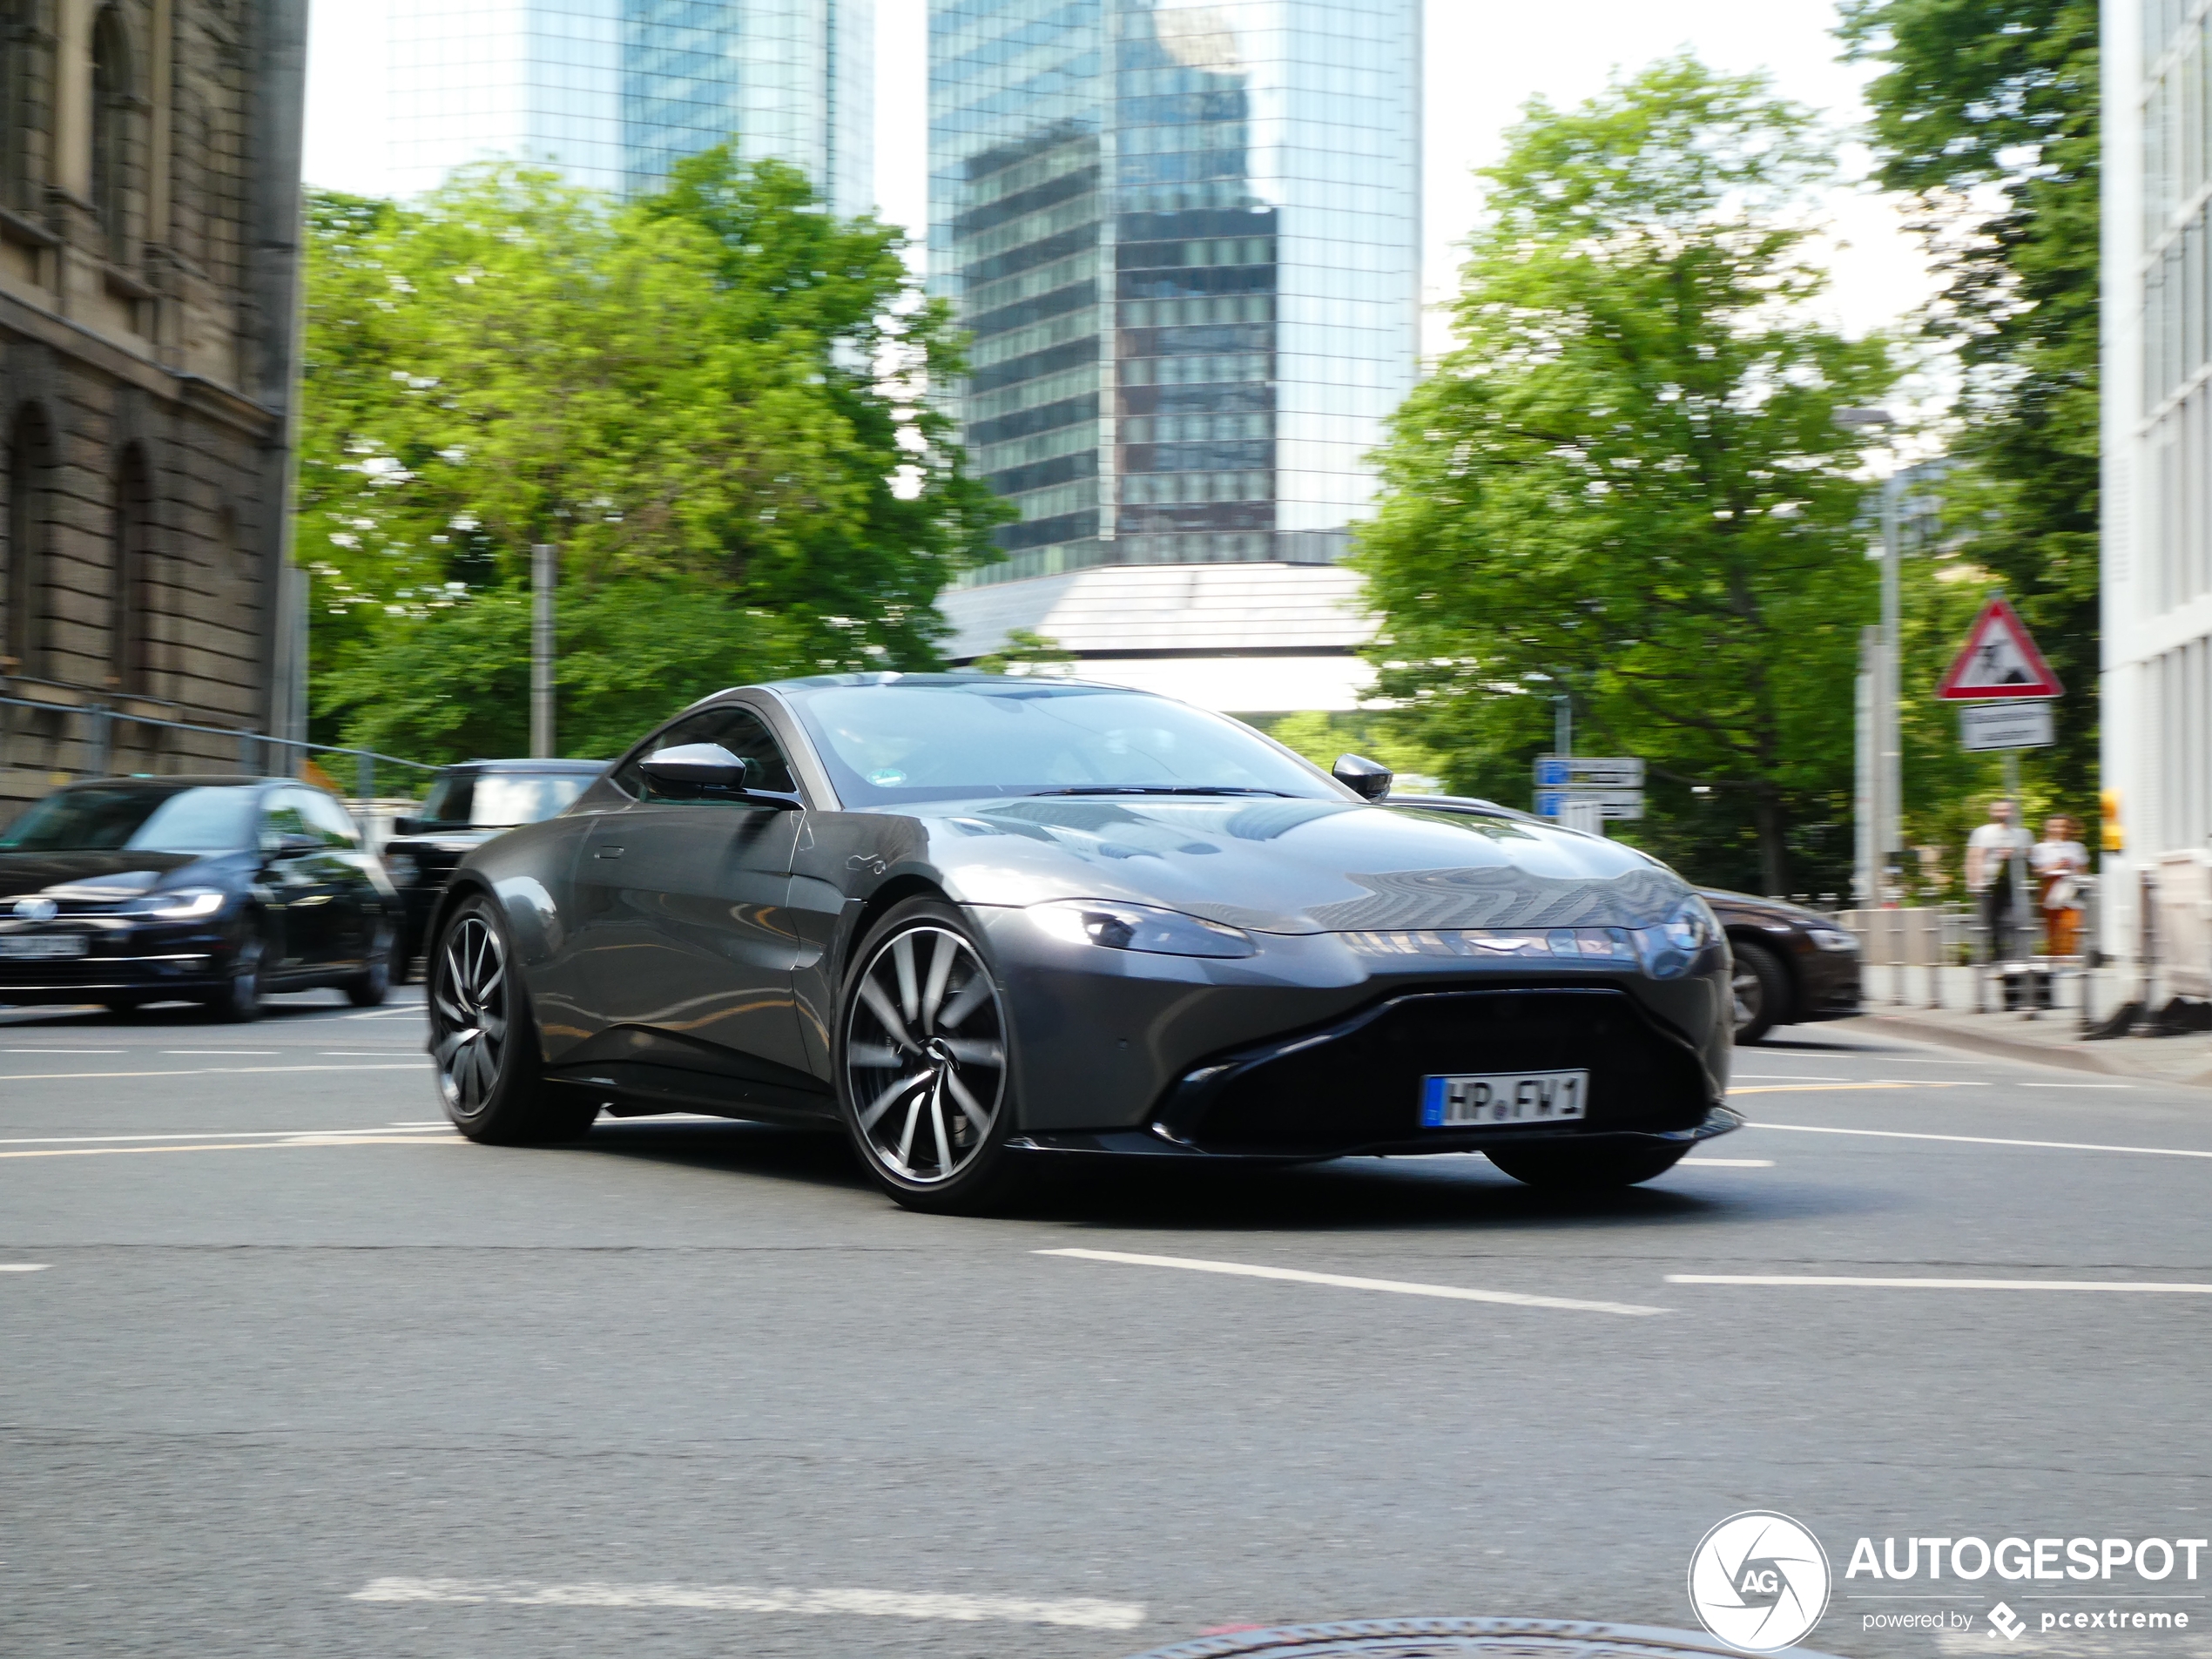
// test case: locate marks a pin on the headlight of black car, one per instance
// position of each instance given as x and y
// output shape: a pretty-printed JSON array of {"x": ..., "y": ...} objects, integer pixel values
[
  {"x": 1136, "y": 927},
  {"x": 1669, "y": 949},
  {"x": 1831, "y": 938},
  {"x": 179, "y": 904}
]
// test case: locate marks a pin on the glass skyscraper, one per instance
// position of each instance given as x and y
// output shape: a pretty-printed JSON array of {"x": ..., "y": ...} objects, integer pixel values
[
  {"x": 612, "y": 92},
  {"x": 1185, "y": 238}
]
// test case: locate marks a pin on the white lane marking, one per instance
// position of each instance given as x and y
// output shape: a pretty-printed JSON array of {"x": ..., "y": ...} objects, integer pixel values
[
  {"x": 1985, "y": 1140},
  {"x": 362, "y": 1054},
  {"x": 1941, "y": 1283},
  {"x": 1786, "y": 1077},
  {"x": 227, "y": 1054},
  {"x": 90, "y": 1051},
  {"x": 1351, "y": 1282},
  {"x": 2075, "y": 1085},
  {"x": 353, "y": 1138},
  {"x": 187, "y": 1071},
  {"x": 1845, "y": 1089},
  {"x": 24, "y": 1267},
  {"x": 1082, "y": 1612},
  {"x": 1727, "y": 1164},
  {"x": 210, "y": 1134},
  {"x": 386, "y": 1013}
]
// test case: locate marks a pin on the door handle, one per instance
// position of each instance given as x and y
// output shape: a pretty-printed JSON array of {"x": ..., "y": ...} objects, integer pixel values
[{"x": 606, "y": 853}]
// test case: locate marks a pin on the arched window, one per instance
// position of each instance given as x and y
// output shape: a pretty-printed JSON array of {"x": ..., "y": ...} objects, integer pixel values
[
  {"x": 132, "y": 630},
  {"x": 22, "y": 598},
  {"x": 114, "y": 109}
]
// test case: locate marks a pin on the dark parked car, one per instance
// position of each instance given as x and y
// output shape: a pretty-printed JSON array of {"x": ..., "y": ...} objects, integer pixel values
[
  {"x": 214, "y": 890},
  {"x": 1792, "y": 965},
  {"x": 467, "y": 805},
  {"x": 978, "y": 922}
]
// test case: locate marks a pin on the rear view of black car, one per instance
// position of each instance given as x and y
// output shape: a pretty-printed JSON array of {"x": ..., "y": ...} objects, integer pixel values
[
  {"x": 467, "y": 805},
  {"x": 205, "y": 889}
]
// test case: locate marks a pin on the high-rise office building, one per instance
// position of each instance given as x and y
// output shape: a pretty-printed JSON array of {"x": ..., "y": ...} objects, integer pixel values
[
  {"x": 612, "y": 92},
  {"x": 2156, "y": 707},
  {"x": 1185, "y": 238}
]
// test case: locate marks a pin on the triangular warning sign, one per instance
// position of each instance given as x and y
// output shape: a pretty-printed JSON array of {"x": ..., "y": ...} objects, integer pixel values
[{"x": 1998, "y": 660}]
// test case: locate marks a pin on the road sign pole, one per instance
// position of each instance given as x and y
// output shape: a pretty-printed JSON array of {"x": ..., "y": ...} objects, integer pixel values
[{"x": 1889, "y": 823}]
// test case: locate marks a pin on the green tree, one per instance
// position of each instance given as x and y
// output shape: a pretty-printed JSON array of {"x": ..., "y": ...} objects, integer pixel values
[
  {"x": 703, "y": 400},
  {"x": 1996, "y": 101},
  {"x": 1627, "y": 484}
]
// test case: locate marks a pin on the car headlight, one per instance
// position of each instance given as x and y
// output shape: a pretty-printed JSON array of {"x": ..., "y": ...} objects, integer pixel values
[
  {"x": 403, "y": 870},
  {"x": 1831, "y": 938},
  {"x": 1139, "y": 927},
  {"x": 179, "y": 904},
  {"x": 1669, "y": 949}
]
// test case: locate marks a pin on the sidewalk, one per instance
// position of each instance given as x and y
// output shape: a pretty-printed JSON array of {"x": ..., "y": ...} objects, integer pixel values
[{"x": 2050, "y": 1038}]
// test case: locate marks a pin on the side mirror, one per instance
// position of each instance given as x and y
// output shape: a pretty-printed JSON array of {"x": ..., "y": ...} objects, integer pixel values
[
  {"x": 708, "y": 771},
  {"x": 407, "y": 826},
  {"x": 1366, "y": 779}
]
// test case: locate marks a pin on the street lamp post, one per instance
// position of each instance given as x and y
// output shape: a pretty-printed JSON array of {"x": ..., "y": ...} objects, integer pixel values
[
  {"x": 1884, "y": 770},
  {"x": 543, "y": 571}
]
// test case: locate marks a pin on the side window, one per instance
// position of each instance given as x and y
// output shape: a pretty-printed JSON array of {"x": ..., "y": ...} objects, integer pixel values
[
  {"x": 735, "y": 728},
  {"x": 281, "y": 817},
  {"x": 327, "y": 820}
]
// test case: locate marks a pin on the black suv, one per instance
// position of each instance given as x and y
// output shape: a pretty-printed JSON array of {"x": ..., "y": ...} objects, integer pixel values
[{"x": 467, "y": 805}]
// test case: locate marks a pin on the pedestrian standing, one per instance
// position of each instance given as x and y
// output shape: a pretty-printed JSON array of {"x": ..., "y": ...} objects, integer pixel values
[
  {"x": 2060, "y": 861},
  {"x": 1989, "y": 856}
]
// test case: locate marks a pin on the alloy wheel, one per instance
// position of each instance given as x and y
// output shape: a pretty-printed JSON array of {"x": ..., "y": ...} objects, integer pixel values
[
  {"x": 1750, "y": 992},
  {"x": 468, "y": 1015},
  {"x": 925, "y": 1055}
]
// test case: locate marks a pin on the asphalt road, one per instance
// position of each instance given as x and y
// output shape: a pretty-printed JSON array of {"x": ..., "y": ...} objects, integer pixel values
[{"x": 300, "y": 1372}]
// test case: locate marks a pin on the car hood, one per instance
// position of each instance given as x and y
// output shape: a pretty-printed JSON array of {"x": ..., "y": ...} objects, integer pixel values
[
  {"x": 106, "y": 875},
  {"x": 1297, "y": 867},
  {"x": 1751, "y": 904}
]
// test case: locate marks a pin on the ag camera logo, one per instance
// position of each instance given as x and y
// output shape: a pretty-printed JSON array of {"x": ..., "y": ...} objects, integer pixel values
[{"x": 1759, "y": 1582}]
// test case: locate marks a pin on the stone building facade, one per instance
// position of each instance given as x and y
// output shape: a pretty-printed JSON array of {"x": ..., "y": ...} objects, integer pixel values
[{"x": 149, "y": 262}]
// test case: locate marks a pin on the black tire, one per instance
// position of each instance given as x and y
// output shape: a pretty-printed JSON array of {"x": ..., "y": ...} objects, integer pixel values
[
  {"x": 1588, "y": 1169},
  {"x": 123, "y": 1006},
  {"x": 368, "y": 988},
  {"x": 924, "y": 1079},
  {"x": 483, "y": 1040},
  {"x": 239, "y": 999},
  {"x": 1761, "y": 987}
]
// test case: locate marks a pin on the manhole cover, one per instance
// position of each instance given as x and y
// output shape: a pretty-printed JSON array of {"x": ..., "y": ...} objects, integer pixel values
[{"x": 1457, "y": 1638}]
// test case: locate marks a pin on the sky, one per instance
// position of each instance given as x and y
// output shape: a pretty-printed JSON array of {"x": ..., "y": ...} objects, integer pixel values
[{"x": 1485, "y": 59}]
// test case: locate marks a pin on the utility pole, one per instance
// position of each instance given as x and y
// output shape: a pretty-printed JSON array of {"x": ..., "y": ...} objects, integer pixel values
[
  {"x": 1882, "y": 770},
  {"x": 542, "y": 573}
]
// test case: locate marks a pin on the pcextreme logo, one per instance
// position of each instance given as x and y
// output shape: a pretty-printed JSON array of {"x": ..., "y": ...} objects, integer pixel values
[{"x": 1759, "y": 1582}]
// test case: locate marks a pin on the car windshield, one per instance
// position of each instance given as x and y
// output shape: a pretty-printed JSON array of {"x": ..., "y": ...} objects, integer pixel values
[
  {"x": 113, "y": 817},
  {"x": 945, "y": 738},
  {"x": 499, "y": 800}
]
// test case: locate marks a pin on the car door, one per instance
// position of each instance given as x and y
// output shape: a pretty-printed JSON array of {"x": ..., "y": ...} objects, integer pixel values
[
  {"x": 295, "y": 884},
  {"x": 685, "y": 951},
  {"x": 348, "y": 922}
]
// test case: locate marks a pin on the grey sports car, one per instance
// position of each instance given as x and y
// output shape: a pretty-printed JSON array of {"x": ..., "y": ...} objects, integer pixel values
[{"x": 981, "y": 922}]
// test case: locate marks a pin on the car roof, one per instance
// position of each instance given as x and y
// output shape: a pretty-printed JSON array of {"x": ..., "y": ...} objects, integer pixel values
[
  {"x": 189, "y": 780},
  {"x": 957, "y": 680},
  {"x": 549, "y": 765}
]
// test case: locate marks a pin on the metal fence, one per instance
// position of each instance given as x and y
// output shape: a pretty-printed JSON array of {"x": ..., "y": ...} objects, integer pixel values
[{"x": 73, "y": 740}]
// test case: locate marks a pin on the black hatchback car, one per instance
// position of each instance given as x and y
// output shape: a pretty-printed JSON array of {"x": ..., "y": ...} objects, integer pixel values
[
  {"x": 467, "y": 805},
  {"x": 126, "y": 891}
]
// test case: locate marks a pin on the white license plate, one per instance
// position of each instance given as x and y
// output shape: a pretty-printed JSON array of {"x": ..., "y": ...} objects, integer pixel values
[
  {"x": 1477, "y": 1099},
  {"x": 42, "y": 946}
]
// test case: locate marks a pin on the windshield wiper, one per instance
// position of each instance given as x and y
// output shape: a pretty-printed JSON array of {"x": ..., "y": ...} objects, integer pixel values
[{"x": 1163, "y": 789}]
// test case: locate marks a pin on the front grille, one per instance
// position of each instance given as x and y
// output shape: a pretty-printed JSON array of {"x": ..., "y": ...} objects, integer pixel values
[{"x": 1359, "y": 1083}]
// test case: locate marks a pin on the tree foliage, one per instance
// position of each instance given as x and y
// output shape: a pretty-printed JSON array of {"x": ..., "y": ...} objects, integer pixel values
[
  {"x": 1627, "y": 484},
  {"x": 701, "y": 399},
  {"x": 1985, "y": 113}
]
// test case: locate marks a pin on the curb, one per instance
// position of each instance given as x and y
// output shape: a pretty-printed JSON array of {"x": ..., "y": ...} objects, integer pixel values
[{"x": 2000, "y": 1047}]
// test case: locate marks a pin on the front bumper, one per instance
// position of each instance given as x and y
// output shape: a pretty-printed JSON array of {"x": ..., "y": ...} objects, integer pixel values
[
  {"x": 153, "y": 962},
  {"x": 1828, "y": 982},
  {"x": 1315, "y": 1047}
]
